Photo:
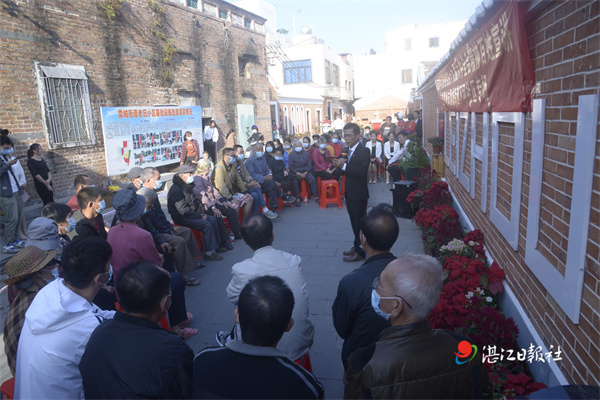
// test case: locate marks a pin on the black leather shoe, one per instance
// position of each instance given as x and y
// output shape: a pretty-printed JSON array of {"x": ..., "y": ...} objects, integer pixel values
[
  {"x": 350, "y": 252},
  {"x": 354, "y": 257}
]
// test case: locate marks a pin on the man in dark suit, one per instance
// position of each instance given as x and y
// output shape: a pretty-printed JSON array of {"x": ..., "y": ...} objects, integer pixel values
[
  {"x": 419, "y": 129},
  {"x": 355, "y": 167}
]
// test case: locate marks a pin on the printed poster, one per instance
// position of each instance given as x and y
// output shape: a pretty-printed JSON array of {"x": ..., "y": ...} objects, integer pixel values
[{"x": 147, "y": 136}]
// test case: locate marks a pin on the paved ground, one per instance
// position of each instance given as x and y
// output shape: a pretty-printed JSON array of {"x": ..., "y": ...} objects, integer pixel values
[{"x": 319, "y": 237}]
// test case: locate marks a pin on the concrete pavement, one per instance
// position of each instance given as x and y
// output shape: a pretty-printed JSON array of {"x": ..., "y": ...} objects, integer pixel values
[{"x": 319, "y": 237}]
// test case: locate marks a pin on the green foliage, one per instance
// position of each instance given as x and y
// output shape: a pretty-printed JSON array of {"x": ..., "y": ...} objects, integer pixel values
[
  {"x": 414, "y": 157},
  {"x": 158, "y": 30},
  {"x": 112, "y": 8},
  {"x": 436, "y": 141}
]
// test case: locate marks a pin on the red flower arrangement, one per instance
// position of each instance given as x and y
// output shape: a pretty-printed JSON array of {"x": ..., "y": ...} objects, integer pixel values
[{"x": 441, "y": 225}]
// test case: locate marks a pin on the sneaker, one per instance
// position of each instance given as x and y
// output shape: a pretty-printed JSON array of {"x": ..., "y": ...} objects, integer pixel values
[
  {"x": 213, "y": 257},
  {"x": 221, "y": 249},
  {"x": 297, "y": 203},
  {"x": 10, "y": 248},
  {"x": 19, "y": 244},
  {"x": 270, "y": 214},
  {"x": 222, "y": 337},
  {"x": 287, "y": 198}
]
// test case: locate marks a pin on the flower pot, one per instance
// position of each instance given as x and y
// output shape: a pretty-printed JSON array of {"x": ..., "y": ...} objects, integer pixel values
[{"x": 437, "y": 149}]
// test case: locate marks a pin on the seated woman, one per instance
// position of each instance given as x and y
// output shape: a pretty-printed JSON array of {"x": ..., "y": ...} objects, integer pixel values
[
  {"x": 282, "y": 176},
  {"x": 287, "y": 149},
  {"x": 215, "y": 204},
  {"x": 393, "y": 168},
  {"x": 375, "y": 148},
  {"x": 269, "y": 150},
  {"x": 321, "y": 159},
  {"x": 28, "y": 272},
  {"x": 63, "y": 216},
  {"x": 130, "y": 244},
  {"x": 390, "y": 148}
]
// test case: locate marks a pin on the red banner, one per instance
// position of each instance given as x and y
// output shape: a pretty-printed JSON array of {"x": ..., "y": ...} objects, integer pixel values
[{"x": 492, "y": 72}]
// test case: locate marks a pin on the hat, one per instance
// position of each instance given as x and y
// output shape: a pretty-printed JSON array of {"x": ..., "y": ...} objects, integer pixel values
[
  {"x": 128, "y": 205},
  {"x": 25, "y": 262},
  {"x": 184, "y": 169},
  {"x": 43, "y": 234},
  {"x": 135, "y": 172}
]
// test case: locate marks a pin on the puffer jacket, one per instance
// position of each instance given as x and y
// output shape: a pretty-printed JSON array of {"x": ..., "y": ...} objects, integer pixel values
[
  {"x": 181, "y": 202},
  {"x": 414, "y": 361}
]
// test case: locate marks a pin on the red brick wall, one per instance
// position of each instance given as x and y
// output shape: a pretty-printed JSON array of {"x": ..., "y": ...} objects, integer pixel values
[
  {"x": 119, "y": 57},
  {"x": 564, "y": 45}
]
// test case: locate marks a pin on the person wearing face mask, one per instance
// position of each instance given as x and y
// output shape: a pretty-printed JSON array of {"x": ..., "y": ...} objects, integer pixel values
[
  {"x": 190, "y": 150},
  {"x": 301, "y": 166},
  {"x": 187, "y": 210},
  {"x": 259, "y": 171},
  {"x": 321, "y": 160},
  {"x": 410, "y": 359},
  {"x": 11, "y": 200},
  {"x": 287, "y": 148},
  {"x": 230, "y": 184},
  {"x": 256, "y": 136},
  {"x": 211, "y": 136},
  {"x": 62, "y": 215},
  {"x": 269, "y": 150},
  {"x": 88, "y": 218},
  {"x": 134, "y": 176},
  {"x": 59, "y": 322},
  {"x": 131, "y": 244},
  {"x": 353, "y": 317},
  {"x": 283, "y": 177},
  {"x": 307, "y": 147},
  {"x": 336, "y": 142},
  {"x": 28, "y": 272},
  {"x": 42, "y": 176}
]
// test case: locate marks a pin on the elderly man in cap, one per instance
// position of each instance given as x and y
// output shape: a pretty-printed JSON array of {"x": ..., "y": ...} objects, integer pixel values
[
  {"x": 134, "y": 176},
  {"x": 130, "y": 244},
  {"x": 187, "y": 210},
  {"x": 28, "y": 272}
]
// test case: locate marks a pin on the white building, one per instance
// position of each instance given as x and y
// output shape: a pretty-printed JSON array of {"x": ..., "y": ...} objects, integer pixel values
[{"x": 406, "y": 48}]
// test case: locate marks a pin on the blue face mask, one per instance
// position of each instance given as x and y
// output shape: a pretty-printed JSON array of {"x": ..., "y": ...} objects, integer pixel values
[
  {"x": 335, "y": 140},
  {"x": 298, "y": 149},
  {"x": 158, "y": 184},
  {"x": 55, "y": 273},
  {"x": 259, "y": 154},
  {"x": 375, "y": 298},
  {"x": 72, "y": 224},
  {"x": 102, "y": 205},
  {"x": 322, "y": 146},
  {"x": 269, "y": 149},
  {"x": 110, "y": 273},
  {"x": 286, "y": 146},
  {"x": 305, "y": 145},
  {"x": 241, "y": 157},
  {"x": 190, "y": 180},
  {"x": 278, "y": 158},
  {"x": 6, "y": 152}
]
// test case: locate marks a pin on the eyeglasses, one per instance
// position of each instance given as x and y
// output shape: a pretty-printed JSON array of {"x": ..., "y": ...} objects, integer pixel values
[{"x": 377, "y": 286}]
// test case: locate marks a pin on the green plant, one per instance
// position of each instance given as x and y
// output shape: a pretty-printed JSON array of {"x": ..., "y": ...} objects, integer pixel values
[
  {"x": 414, "y": 157},
  {"x": 158, "y": 30},
  {"x": 112, "y": 8},
  {"x": 436, "y": 141}
]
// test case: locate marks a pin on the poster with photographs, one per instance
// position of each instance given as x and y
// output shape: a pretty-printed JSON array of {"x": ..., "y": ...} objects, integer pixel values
[{"x": 147, "y": 136}]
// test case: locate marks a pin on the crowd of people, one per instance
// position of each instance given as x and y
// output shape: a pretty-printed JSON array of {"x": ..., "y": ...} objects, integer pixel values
[{"x": 89, "y": 301}]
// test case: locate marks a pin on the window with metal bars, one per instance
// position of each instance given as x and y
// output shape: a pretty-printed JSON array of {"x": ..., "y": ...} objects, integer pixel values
[
  {"x": 66, "y": 105},
  {"x": 297, "y": 71},
  {"x": 192, "y": 3}
]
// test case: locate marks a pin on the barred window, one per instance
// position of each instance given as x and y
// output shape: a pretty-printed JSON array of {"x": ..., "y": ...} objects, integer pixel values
[
  {"x": 297, "y": 71},
  {"x": 65, "y": 104},
  {"x": 222, "y": 14},
  {"x": 192, "y": 3},
  {"x": 247, "y": 23}
]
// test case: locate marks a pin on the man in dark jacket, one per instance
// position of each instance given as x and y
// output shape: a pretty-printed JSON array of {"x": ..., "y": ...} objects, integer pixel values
[
  {"x": 282, "y": 176},
  {"x": 355, "y": 166},
  {"x": 132, "y": 356},
  {"x": 411, "y": 360},
  {"x": 254, "y": 368},
  {"x": 301, "y": 165},
  {"x": 89, "y": 216},
  {"x": 187, "y": 210},
  {"x": 353, "y": 317},
  {"x": 134, "y": 176}
]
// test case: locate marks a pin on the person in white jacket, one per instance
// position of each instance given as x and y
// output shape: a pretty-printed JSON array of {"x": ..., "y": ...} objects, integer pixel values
[
  {"x": 59, "y": 322},
  {"x": 390, "y": 149},
  {"x": 257, "y": 232},
  {"x": 375, "y": 148}
]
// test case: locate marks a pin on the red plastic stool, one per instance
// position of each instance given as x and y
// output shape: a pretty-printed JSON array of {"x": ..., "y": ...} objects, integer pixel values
[
  {"x": 319, "y": 185},
  {"x": 304, "y": 192},
  {"x": 330, "y": 193},
  {"x": 304, "y": 362},
  {"x": 8, "y": 388},
  {"x": 198, "y": 236},
  {"x": 279, "y": 203}
]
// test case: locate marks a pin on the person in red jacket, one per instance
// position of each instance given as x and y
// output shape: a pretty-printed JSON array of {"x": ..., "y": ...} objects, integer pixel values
[{"x": 190, "y": 150}]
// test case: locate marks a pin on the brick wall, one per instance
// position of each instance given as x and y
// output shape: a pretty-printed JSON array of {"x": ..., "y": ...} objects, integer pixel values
[
  {"x": 564, "y": 45},
  {"x": 122, "y": 62}
]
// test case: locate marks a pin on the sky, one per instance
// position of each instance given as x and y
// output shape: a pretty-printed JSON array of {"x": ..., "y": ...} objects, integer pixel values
[{"x": 351, "y": 26}]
